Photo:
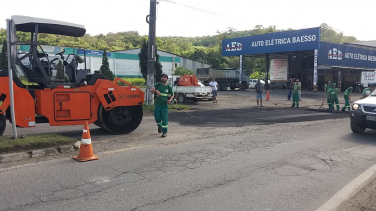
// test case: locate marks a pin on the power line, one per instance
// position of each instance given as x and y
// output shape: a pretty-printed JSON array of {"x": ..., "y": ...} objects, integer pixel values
[
  {"x": 202, "y": 10},
  {"x": 239, "y": 19}
]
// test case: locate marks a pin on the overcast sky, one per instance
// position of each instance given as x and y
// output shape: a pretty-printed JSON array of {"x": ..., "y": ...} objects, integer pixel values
[{"x": 353, "y": 18}]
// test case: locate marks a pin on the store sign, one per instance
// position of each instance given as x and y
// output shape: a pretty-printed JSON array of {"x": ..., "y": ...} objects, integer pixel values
[
  {"x": 343, "y": 72},
  {"x": 241, "y": 69},
  {"x": 315, "y": 68},
  {"x": 343, "y": 55},
  {"x": 368, "y": 77},
  {"x": 278, "y": 70},
  {"x": 296, "y": 40}
]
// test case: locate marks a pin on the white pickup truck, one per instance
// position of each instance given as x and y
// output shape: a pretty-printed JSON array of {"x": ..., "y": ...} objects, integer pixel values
[{"x": 194, "y": 93}]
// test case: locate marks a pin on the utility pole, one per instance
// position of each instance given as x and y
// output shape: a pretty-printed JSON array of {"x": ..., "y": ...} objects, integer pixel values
[
  {"x": 151, "y": 54},
  {"x": 173, "y": 71}
]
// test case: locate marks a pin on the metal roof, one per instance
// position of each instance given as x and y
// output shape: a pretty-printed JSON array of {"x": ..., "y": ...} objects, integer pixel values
[
  {"x": 371, "y": 43},
  {"x": 27, "y": 24}
]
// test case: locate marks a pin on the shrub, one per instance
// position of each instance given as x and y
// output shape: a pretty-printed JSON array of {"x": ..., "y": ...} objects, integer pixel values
[{"x": 133, "y": 81}]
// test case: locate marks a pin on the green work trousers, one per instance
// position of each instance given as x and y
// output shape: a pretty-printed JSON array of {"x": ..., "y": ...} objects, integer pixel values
[
  {"x": 347, "y": 104},
  {"x": 161, "y": 117},
  {"x": 335, "y": 100},
  {"x": 329, "y": 102},
  {"x": 295, "y": 99}
]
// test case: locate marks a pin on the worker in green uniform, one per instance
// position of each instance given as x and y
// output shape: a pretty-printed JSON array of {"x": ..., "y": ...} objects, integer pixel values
[
  {"x": 368, "y": 90},
  {"x": 328, "y": 87},
  {"x": 334, "y": 96},
  {"x": 347, "y": 98},
  {"x": 165, "y": 94},
  {"x": 295, "y": 94}
]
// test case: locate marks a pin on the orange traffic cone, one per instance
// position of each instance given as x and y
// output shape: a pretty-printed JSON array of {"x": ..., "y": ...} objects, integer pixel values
[
  {"x": 267, "y": 96},
  {"x": 86, "y": 148}
]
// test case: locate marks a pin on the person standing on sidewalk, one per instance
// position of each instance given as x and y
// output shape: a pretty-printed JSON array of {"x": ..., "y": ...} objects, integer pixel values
[
  {"x": 259, "y": 89},
  {"x": 214, "y": 86},
  {"x": 165, "y": 95},
  {"x": 295, "y": 94},
  {"x": 347, "y": 98},
  {"x": 289, "y": 86}
]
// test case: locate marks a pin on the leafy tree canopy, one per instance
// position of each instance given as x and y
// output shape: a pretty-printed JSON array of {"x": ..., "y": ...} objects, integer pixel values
[{"x": 205, "y": 49}]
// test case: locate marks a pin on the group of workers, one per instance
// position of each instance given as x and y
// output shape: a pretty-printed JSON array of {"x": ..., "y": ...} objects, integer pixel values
[
  {"x": 165, "y": 95},
  {"x": 332, "y": 95}
]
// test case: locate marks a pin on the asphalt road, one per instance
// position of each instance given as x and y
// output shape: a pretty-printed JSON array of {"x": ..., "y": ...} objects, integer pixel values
[
  {"x": 208, "y": 166},
  {"x": 217, "y": 157}
]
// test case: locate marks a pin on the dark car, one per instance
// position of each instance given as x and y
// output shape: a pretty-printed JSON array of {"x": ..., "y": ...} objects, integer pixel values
[{"x": 363, "y": 114}]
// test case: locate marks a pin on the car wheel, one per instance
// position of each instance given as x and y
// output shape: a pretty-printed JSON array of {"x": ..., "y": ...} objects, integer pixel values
[
  {"x": 357, "y": 128},
  {"x": 181, "y": 98}
]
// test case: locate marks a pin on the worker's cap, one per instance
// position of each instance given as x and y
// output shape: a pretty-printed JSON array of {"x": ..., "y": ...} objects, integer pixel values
[
  {"x": 350, "y": 88},
  {"x": 164, "y": 75},
  {"x": 334, "y": 84}
]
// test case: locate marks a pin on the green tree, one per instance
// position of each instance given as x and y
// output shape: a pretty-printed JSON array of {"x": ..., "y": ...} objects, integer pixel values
[
  {"x": 257, "y": 75},
  {"x": 330, "y": 34},
  {"x": 158, "y": 67},
  {"x": 105, "y": 67},
  {"x": 143, "y": 58},
  {"x": 60, "y": 71},
  {"x": 3, "y": 56},
  {"x": 180, "y": 70}
]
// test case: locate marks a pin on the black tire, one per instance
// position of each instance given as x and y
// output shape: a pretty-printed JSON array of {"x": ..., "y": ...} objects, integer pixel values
[
  {"x": 3, "y": 124},
  {"x": 223, "y": 86},
  {"x": 232, "y": 87},
  {"x": 120, "y": 120},
  {"x": 357, "y": 128},
  {"x": 195, "y": 100},
  {"x": 244, "y": 86},
  {"x": 181, "y": 98}
]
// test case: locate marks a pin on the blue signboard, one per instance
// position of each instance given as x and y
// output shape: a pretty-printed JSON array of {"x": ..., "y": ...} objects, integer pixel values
[
  {"x": 343, "y": 55},
  {"x": 296, "y": 40},
  {"x": 94, "y": 53}
]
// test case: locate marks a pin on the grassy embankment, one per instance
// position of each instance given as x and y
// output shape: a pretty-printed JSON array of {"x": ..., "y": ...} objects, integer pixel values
[{"x": 8, "y": 144}]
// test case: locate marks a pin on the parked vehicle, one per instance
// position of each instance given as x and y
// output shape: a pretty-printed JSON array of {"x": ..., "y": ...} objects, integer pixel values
[
  {"x": 224, "y": 77},
  {"x": 187, "y": 87},
  {"x": 253, "y": 82},
  {"x": 363, "y": 114}
]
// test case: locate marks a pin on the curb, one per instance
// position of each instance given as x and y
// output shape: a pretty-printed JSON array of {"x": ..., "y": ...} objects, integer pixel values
[
  {"x": 356, "y": 195},
  {"x": 39, "y": 153}
]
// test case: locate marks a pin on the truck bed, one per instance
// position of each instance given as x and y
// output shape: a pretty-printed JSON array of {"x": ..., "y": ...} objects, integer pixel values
[{"x": 192, "y": 89}]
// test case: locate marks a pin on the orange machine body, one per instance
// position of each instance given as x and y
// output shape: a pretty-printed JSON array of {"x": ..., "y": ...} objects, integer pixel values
[
  {"x": 69, "y": 106},
  {"x": 24, "y": 105},
  {"x": 188, "y": 80}
]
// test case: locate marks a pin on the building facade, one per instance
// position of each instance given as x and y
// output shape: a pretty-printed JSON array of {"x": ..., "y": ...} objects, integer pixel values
[
  {"x": 301, "y": 54},
  {"x": 122, "y": 63},
  {"x": 179, "y": 61}
]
